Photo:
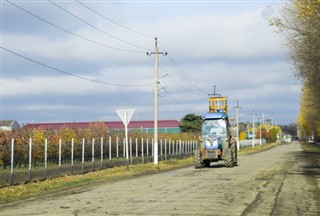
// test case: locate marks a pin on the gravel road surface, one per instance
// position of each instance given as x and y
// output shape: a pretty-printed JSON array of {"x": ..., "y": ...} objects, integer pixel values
[{"x": 281, "y": 181}]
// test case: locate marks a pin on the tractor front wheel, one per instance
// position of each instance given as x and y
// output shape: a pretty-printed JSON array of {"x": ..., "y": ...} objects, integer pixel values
[{"x": 198, "y": 162}]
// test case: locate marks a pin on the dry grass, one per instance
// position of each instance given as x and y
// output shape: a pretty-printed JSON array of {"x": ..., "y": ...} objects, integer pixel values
[
  {"x": 257, "y": 148},
  {"x": 23, "y": 191},
  {"x": 310, "y": 147}
]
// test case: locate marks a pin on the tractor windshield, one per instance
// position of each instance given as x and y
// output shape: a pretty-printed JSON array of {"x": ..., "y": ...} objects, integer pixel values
[{"x": 214, "y": 127}]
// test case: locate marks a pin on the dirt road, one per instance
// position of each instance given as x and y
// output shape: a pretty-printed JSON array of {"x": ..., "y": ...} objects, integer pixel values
[{"x": 281, "y": 181}]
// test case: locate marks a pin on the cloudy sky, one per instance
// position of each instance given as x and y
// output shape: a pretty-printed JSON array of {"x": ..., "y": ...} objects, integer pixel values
[{"x": 65, "y": 61}]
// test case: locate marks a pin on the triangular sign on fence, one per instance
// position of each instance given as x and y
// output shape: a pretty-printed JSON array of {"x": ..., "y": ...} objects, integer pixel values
[{"x": 125, "y": 115}]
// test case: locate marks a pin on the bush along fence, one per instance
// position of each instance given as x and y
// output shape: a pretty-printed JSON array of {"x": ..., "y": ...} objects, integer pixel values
[{"x": 53, "y": 158}]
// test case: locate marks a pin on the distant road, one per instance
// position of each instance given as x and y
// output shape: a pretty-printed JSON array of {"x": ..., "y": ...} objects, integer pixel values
[{"x": 281, "y": 181}]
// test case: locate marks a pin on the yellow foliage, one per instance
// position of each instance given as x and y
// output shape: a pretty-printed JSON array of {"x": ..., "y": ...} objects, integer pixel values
[
  {"x": 67, "y": 134},
  {"x": 307, "y": 8}
]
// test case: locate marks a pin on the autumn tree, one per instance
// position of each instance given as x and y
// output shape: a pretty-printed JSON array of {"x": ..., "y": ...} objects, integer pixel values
[{"x": 300, "y": 25}]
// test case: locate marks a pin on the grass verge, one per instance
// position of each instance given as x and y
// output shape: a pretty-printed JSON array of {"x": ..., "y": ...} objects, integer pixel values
[
  {"x": 65, "y": 183},
  {"x": 310, "y": 147},
  {"x": 257, "y": 148}
]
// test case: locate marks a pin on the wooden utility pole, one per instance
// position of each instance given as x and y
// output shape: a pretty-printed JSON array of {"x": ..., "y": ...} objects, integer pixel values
[
  {"x": 155, "y": 140},
  {"x": 253, "y": 127},
  {"x": 237, "y": 113}
]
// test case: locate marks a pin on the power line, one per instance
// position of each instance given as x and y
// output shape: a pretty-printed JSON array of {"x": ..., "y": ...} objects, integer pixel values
[
  {"x": 174, "y": 100},
  {"x": 74, "y": 75},
  {"x": 187, "y": 76},
  {"x": 72, "y": 33},
  {"x": 114, "y": 22},
  {"x": 173, "y": 80},
  {"x": 167, "y": 93},
  {"x": 178, "y": 84},
  {"x": 98, "y": 29}
]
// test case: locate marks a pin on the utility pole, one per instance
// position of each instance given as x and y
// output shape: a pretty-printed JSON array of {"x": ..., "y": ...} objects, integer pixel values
[
  {"x": 272, "y": 119},
  {"x": 260, "y": 130},
  {"x": 253, "y": 128},
  {"x": 237, "y": 113},
  {"x": 155, "y": 139}
]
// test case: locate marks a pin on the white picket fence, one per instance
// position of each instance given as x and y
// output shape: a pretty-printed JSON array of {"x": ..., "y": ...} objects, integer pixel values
[{"x": 107, "y": 153}]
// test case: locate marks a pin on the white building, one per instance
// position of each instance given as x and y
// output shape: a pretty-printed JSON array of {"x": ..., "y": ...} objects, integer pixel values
[{"x": 9, "y": 125}]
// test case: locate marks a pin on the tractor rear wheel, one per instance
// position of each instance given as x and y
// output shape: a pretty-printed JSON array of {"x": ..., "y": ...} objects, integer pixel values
[
  {"x": 234, "y": 153},
  {"x": 228, "y": 162},
  {"x": 198, "y": 162}
]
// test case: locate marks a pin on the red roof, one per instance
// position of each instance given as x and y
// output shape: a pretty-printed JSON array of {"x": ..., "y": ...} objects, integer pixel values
[{"x": 110, "y": 125}]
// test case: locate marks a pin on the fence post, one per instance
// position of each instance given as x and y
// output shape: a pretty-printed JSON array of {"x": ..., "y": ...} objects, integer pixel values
[
  {"x": 82, "y": 159},
  {"x": 192, "y": 146},
  {"x": 124, "y": 147},
  {"x": 183, "y": 148},
  {"x": 59, "y": 157},
  {"x": 101, "y": 152},
  {"x": 176, "y": 148},
  {"x": 130, "y": 151},
  {"x": 186, "y": 148},
  {"x": 142, "y": 152},
  {"x": 30, "y": 157},
  {"x": 173, "y": 148},
  {"x": 152, "y": 148},
  {"x": 110, "y": 153},
  {"x": 147, "y": 146},
  {"x": 72, "y": 145},
  {"x": 161, "y": 149},
  {"x": 165, "y": 149},
  {"x": 12, "y": 158},
  {"x": 92, "y": 153},
  {"x": 45, "y": 157},
  {"x": 137, "y": 147},
  {"x": 179, "y": 148},
  {"x": 117, "y": 143}
]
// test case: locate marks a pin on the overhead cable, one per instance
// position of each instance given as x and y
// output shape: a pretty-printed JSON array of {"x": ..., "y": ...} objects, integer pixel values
[
  {"x": 165, "y": 89},
  {"x": 98, "y": 29},
  {"x": 114, "y": 22},
  {"x": 72, "y": 33},
  {"x": 178, "y": 83},
  {"x": 174, "y": 100},
  {"x": 74, "y": 75},
  {"x": 186, "y": 75}
]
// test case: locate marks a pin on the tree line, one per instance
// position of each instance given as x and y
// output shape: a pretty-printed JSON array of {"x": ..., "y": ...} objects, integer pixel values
[{"x": 299, "y": 23}]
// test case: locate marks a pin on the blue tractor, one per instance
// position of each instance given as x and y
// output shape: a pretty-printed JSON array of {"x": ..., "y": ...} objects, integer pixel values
[{"x": 217, "y": 142}]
